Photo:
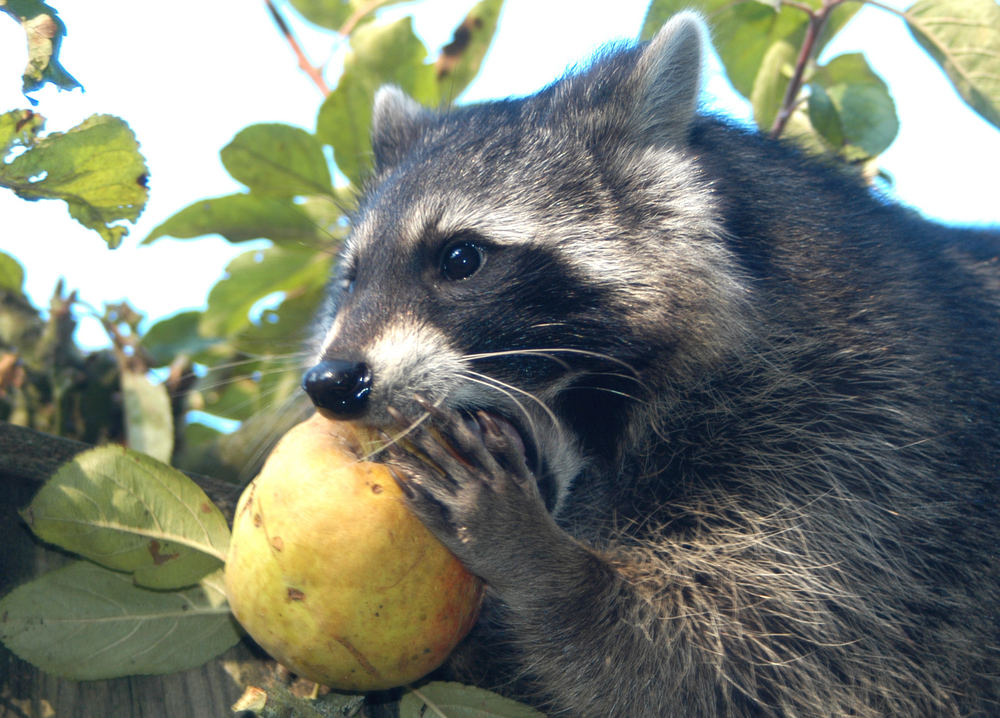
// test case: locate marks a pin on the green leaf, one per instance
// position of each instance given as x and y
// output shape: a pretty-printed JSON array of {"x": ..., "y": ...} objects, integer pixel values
[
  {"x": 175, "y": 336},
  {"x": 771, "y": 82},
  {"x": 242, "y": 217},
  {"x": 149, "y": 421},
  {"x": 456, "y": 700},
  {"x": 330, "y": 214},
  {"x": 11, "y": 274},
  {"x": 333, "y": 14},
  {"x": 254, "y": 275},
  {"x": 866, "y": 122},
  {"x": 44, "y": 32},
  {"x": 278, "y": 160},
  {"x": 824, "y": 118},
  {"x": 460, "y": 59},
  {"x": 234, "y": 394},
  {"x": 381, "y": 54},
  {"x": 284, "y": 327},
  {"x": 85, "y": 622},
  {"x": 129, "y": 512},
  {"x": 963, "y": 37},
  {"x": 96, "y": 168}
]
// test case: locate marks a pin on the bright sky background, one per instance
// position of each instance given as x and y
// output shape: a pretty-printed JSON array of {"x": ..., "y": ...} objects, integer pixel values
[{"x": 188, "y": 75}]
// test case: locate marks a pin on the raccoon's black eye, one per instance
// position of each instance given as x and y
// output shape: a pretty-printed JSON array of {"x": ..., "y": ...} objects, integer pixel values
[{"x": 461, "y": 260}]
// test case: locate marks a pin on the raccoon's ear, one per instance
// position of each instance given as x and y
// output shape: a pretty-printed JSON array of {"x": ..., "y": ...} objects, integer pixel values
[
  {"x": 396, "y": 123},
  {"x": 668, "y": 78}
]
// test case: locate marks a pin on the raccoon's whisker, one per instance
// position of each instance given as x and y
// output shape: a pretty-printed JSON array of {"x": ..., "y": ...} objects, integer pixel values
[
  {"x": 615, "y": 375},
  {"x": 250, "y": 357},
  {"x": 509, "y": 390},
  {"x": 548, "y": 354},
  {"x": 394, "y": 438},
  {"x": 281, "y": 362},
  {"x": 517, "y": 352},
  {"x": 254, "y": 376},
  {"x": 606, "y": 390},
  {"x": 501, "y": 385},
  {"x": 264, "y": 434}
]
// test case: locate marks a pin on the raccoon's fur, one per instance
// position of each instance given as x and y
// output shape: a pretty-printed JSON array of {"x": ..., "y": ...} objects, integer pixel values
[{"x": 725, "y": 424}]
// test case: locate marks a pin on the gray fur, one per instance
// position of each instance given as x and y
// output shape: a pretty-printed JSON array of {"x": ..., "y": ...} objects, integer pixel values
[{"x": 765, "y": 403}]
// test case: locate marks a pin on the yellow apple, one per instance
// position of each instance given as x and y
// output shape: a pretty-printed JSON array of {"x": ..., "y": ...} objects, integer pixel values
[{"x": 331, "y": 573}]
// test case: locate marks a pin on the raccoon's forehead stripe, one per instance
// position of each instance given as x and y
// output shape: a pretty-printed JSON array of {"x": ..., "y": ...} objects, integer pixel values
[{"x": 441, "y": 216}]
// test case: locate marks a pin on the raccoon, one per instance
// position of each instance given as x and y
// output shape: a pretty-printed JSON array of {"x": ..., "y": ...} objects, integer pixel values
[{"x": 718, "y": 426}]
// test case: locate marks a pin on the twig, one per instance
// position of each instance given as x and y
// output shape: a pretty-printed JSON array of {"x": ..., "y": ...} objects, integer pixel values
[
  {"x": 348, "y": 27},
  {"x": 314, "y": 73},
  {"x": 817, "y": 21},
  {"x": 795, "y": 84}
]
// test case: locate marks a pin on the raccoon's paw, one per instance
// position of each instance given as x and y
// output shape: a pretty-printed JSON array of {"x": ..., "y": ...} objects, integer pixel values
[{"x": 467, "y": 480}]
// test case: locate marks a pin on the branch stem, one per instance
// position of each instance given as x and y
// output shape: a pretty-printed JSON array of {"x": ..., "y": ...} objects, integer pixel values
[
  {"x": 817, "y": 21},
  {"x": 315, "y": 74}
]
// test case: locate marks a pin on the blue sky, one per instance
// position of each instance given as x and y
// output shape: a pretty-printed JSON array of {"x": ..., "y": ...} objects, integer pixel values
[{"x": 188, "y": 76}]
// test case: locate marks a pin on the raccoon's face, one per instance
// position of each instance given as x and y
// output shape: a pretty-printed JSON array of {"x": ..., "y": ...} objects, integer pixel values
[
  {"x": 529, "y": 261},
  {"x": 460, "y": 300}
]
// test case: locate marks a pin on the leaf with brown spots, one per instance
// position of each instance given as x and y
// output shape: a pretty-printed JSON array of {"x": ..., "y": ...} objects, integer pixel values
[
  {"x": 131, "y": 513},
  {"x": 460, "y": 59}
]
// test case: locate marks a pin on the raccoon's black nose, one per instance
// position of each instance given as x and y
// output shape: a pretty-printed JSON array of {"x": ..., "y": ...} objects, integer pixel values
[{"x": 338, "y": 386}]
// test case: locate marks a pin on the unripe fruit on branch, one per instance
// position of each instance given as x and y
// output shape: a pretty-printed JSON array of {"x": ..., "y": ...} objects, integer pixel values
[{"x": 330, "y": 572}]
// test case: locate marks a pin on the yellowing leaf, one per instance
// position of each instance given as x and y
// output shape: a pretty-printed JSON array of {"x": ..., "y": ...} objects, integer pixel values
[
  {"x": 19, "y": 127},
  {"x": 129, "y": 512},
  {"x": 86, "y": 623},
  {"x": 95, "y": 168}
]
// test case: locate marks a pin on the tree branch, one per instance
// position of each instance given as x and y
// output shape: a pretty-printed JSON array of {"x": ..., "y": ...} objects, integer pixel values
[
  {"x": 314, "y": 73},
  {"x": 348, "y": 27},
  {"x": 795, "y": 84},
  {"x": 817, "y": 21}
]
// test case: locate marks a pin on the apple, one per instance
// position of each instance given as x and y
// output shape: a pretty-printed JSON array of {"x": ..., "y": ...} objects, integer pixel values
[{"x": 331, "y": 573}]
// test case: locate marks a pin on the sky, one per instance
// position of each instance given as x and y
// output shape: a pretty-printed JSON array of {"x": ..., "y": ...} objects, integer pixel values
[{"x": 187, "y": 76}]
